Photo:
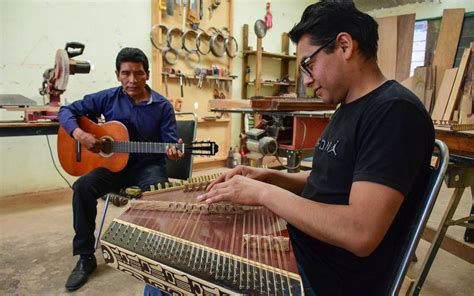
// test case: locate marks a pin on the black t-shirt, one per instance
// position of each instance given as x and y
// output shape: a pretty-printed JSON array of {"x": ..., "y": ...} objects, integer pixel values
[{"x": 385, "y": 137}]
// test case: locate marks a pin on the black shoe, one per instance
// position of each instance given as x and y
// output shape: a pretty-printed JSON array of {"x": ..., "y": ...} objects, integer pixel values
[{"x": 80, "y": 273}]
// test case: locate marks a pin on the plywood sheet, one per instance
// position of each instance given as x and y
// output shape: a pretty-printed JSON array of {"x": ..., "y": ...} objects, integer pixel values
[
  {"x": 396, "y": 45},
  {"x": 448, "y": 39},
  {"x": 456, "y": 91},
  {"x": 387, "y": 60},
  {"x": 444, "y": 93},
  {"x": 405, "y": 32}
]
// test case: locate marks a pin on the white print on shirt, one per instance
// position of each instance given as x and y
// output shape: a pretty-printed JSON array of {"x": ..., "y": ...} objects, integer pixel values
[{"x": 328, "y": 146}]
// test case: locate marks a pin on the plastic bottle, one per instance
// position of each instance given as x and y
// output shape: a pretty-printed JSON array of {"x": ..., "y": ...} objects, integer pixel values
[{"x": 237, "y": 157}]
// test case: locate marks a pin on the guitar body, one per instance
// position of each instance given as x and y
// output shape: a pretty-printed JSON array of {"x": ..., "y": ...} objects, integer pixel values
[{"x": 67, "y": 148}]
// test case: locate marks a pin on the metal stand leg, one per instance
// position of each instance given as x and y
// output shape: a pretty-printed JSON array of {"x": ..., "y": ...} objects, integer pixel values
[
  {"x": 469, "y": 234},
  {"x": 102, "y": 220},
  {"x": 443, "y": 227}
]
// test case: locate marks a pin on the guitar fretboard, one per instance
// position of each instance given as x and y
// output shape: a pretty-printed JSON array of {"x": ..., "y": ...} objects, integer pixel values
[{"x": 144, "y": 147}]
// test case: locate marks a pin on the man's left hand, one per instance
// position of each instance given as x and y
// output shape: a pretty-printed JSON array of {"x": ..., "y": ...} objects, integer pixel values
[{"x": 173, "y": 153}]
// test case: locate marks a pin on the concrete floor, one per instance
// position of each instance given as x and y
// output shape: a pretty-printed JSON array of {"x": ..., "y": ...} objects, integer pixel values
[{"x": 36, "y": 253}]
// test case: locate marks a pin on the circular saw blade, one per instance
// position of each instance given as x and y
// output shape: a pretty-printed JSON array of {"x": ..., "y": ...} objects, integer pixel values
[
  {"x": 260, "y": 28},
  {"x": 61, "y": 69}
]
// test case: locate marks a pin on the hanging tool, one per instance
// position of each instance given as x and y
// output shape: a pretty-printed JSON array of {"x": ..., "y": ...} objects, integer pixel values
[
  {"x": 191, "y": 15},
  {"x": 183, "y": 9},
  {"x": 165, "y": 75},
  {"x": 179, "y": 101},
  {"x": 214, "y": 5},
  {"x": 170, "y": 7},
  {"x": 200, "y": 10}
]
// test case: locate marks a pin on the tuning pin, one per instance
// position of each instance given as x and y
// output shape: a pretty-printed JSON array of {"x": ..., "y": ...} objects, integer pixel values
[
  {"x": 160, "y": 186},
  {"x": 152, "y": 187},
  {"x": 167, "y": 185}
]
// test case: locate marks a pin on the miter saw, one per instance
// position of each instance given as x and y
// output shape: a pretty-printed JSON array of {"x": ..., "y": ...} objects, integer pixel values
[{"x": 55, "y": 80}]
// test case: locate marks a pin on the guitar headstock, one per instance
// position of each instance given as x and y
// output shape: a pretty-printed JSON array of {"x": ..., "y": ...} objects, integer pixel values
[{"x": 207, "y": 148}]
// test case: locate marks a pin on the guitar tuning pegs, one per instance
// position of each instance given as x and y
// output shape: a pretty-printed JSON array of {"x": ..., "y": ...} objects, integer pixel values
[
  {"x": 167, "y": 185},
  {"x": 160, "y": 186},
  {"x": 152, "y": 187}
]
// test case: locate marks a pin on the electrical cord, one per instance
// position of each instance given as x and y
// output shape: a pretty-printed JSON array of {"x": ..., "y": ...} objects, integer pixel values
[
  {"x": 52, "y": 157},
  {"x": 54, "y": 163}
]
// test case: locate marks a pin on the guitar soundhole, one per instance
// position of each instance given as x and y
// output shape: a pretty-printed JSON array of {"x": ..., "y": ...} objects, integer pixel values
[{"x": 107, "y": 145}]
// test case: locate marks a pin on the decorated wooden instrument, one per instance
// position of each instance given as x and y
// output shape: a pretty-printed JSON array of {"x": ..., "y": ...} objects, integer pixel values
[
  {"x": 78, "y": 161},
  {"x": 170, "y": 241}
]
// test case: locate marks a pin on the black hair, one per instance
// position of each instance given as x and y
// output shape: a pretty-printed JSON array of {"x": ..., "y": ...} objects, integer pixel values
[
  {"x": 131, "y": 54},
  {"x": 322, "y": 21}
]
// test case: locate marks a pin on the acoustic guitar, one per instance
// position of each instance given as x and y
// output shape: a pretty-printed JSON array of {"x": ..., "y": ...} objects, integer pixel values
[{"x": 78, "y": 161}]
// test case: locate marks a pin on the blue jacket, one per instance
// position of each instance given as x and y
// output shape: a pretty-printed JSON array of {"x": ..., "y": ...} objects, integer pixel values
[{"x": 151, "y": 121}]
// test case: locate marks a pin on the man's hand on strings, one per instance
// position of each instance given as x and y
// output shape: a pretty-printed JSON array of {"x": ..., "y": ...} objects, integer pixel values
[
  {"x": 173, "y": 153},
  {"x": 89, "y": 141},
  {"x": 246, "y": 171},
  {"x": 238, "y": 189}
]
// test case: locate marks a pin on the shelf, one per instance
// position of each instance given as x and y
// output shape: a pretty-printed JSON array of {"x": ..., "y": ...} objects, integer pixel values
[
  {"x": 211, "y": 121},
  {"x": 270, "y": 55},
  {"x": 195, "y": 77},
  {"x": 272, "y": 83}
]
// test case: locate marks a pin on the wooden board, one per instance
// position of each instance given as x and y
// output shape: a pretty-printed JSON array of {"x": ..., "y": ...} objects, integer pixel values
[
  {"x": 386, "y": 58},
  {"x": 395, "y": 45},
  {"x": 405, "y": 32},
  {"x": 228, "y": 104},
  {"x": 443, "y": 94},
  {"x": 456, "y": 91},
  {"x": 420, "y": 82},
  {"x": 289, "y": 104},
  {"x": 447, "y": 44}
]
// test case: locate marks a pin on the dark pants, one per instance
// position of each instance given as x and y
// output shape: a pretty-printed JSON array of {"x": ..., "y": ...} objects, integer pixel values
[{"x": 90, "y": 187}]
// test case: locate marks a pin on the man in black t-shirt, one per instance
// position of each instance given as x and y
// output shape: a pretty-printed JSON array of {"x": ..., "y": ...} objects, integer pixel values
[{"x": 348, "y": 215}]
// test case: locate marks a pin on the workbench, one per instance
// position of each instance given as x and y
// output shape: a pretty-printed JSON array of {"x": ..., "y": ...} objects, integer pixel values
[{"x": 21, "y": 128}]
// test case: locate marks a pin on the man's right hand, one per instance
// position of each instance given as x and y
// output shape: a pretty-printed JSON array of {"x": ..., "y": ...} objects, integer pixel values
[
  {"x": 258, "y": 174},
  {"x": 91, "y": 142}
]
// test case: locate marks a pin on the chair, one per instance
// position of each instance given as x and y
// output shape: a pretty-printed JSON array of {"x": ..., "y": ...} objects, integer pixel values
[
  {"x": 180, "y": 169},
  {"x": 419, "y": 219}
]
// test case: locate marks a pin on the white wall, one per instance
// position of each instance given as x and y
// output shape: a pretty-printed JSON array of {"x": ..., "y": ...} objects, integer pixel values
[{"x": 31, "y": 31}]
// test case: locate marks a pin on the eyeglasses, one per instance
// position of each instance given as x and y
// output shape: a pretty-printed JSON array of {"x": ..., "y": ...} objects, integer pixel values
[{"x": 304, "y": 64}]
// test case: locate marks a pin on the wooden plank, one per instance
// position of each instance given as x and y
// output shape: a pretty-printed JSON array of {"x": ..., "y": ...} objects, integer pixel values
[
  {"x": 456, "y": 91},
  {"x": 447, "y": 44},
  {"x": 443, "y": 94},
  {"x": 429, "y": 89},
  {"x": 409, "y": 83},
  {"x": 228, "y": 104},
  {"x": 156, "y": 55},
  {"x": 420, "y": 82},
  {"x": 386, "y": 58},
  {"x": 457, "y": 142},
  {"x": 395, "y": 45},
  {"x": 405, "y": 32},
  {"x": 285, "y": 49},
  {"x": 429, "y": 99},
  {"x": 258, "y": 67},
  {"x": 459, "y": 249}
]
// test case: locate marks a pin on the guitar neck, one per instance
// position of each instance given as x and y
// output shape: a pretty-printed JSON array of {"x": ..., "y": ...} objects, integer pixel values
[{"x": 144, "y": 147}]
